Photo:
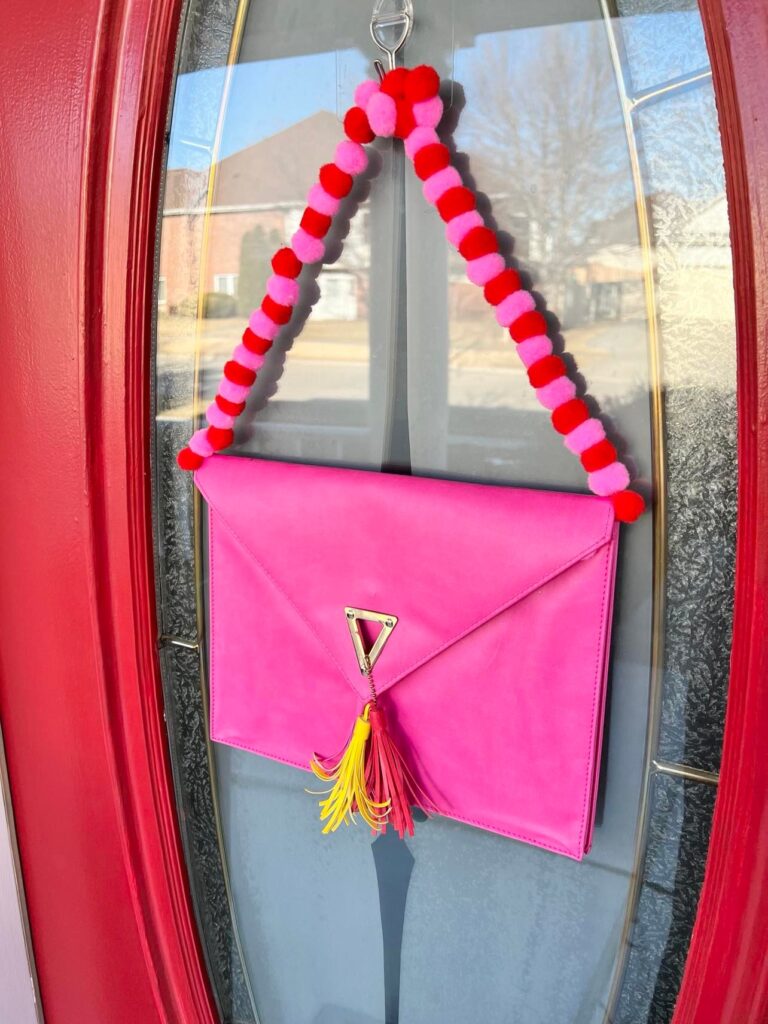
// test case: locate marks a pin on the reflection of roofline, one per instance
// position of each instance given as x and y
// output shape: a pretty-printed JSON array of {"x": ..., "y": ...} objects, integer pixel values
[{"x": 185, "y": 211}]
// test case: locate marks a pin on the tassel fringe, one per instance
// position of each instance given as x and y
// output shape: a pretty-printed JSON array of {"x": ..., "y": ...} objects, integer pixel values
[
  {"x": 349, "y": 793},
  {"x": 371, "y": 778}
]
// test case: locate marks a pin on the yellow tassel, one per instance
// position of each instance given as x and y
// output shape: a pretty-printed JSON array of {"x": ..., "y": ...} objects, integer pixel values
[{"x": 347, "y": 772}]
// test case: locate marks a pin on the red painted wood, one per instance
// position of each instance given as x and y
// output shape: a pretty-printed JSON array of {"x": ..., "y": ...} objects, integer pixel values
[
  {"x": 85, "y": 86},
  {"x": 726, "y": 976}
]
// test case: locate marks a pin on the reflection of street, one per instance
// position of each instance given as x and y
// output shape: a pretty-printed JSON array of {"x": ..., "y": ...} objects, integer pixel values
[{"x": 331, "y": 360}]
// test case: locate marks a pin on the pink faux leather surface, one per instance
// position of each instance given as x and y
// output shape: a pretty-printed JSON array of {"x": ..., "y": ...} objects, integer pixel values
[{"x": 494, "y": 677}]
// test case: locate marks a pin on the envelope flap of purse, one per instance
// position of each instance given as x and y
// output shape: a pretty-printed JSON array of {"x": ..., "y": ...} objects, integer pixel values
[{"x": 442, "y": 557}]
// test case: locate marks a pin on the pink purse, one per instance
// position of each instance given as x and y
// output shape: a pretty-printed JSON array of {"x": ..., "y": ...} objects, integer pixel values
[{"x": 463, "y": 630}]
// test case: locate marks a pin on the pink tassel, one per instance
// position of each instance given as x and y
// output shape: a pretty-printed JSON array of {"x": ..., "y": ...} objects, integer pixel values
[{"x": 388, "y": 781}]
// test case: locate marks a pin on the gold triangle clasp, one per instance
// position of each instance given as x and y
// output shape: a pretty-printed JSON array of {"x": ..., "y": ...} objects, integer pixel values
[{"x": 367, "y": 659}]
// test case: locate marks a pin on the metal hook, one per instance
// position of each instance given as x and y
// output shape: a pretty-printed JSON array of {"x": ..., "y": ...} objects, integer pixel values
[{"x": 389, "y": 15}]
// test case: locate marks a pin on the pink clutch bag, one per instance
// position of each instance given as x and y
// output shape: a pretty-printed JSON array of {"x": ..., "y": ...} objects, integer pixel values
[
  {"x": 494, "y": 677},
  {"x": 414, "y": 641}
]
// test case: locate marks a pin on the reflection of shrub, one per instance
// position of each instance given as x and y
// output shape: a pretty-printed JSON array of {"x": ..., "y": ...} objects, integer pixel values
[
  {"x": 256, "y": 250},
  {"x": 218, "y": 304},
  {"x": 186, "y": 307}
]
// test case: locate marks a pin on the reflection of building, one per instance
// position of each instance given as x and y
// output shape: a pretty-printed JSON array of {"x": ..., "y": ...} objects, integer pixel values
[{"x": 259, "y": 194}]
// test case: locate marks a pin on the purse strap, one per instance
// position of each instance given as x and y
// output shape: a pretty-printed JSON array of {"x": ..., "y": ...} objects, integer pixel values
[{"x": 405, "y": 104}]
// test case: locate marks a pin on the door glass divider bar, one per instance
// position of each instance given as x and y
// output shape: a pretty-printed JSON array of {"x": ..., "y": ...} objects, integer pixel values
[
  {"x": 684, "y": 771},
  {"x": 687, "y": 81},
  {"x": 178, "y": 641},
  {"x": 610, "y": 17}
]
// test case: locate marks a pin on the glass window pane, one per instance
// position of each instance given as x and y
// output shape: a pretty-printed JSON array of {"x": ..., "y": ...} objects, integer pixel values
[{"x": 591, "y": 136}]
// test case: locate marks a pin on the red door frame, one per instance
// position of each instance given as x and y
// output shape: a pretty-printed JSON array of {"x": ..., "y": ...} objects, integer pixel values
[{"x": 85, "y": 88}]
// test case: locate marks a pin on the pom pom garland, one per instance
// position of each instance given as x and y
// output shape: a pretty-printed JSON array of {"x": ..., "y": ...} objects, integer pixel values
[
  {"x": 478, "y": 242},
  {"x": 627, "y": 505},
  {"x": 431, "y": 159},
  {"x": 351, "y": 157},
  {"x": 504, "y": 284},
  {"x": 481, "y": 270},
  {"x": 393, "y": 83},
  {"x": 527, "y": 325},
  {"x": 286, "y": 263},
  {"x": 418, "y": 139},
  {"x": 382, "y": 115},
  {"x": 406, "y": 104},
  {"x": 254, "y": 343},
  {"x": 336, "y": 182},
  {"x": 455, "y": 201},
  {"x": 356, "y": 124},
  {"x": 567, "y": 417},
  {"x": 189, "y": 460},
  {"x": 598, "y": 456},
  {"x": 460, "y": 226},
  {"x": 421, "y": 84},
  {"x": 230, "y": 408}
]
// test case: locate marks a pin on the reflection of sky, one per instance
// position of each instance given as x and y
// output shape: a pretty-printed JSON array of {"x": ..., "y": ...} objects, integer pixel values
[{"x": 270, "y": 95}]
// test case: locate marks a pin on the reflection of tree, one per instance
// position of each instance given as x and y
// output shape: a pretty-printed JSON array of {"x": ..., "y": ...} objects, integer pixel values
[
  {"x": 256, "y": 249},
  {"x": 543, "y": 123}
]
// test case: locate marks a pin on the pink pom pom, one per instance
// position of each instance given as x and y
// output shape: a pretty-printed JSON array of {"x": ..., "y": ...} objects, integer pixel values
[
  {"x": 457, "y": 228},
  {"x": 584, "y": 436},
  {"x": 284, "y": 290},
  {"x": 439, "y": 183},
  {"x": 200, "y": 444},
  {"x": 485, "y": 268},
  {"x": 382, "y": 114},
  {"x": 555, "y": 393},
  {"x": 218, "y": 418},
  {"x": 322, "y": 201},
  {"x": 364, "y": 91},
  {"x": 509, "y": 309},
  {"x": 261, "y": 325},
  {"x": 351, "y": 157},
  {"x": 233, "y": 392},
  {"x": 608, "y": 480},
  {"x": 533, "y": 349},
  {"x": 418, "y": 139},
  {"x": 244, "y": 356},
  {"x": 428, "y": 112},
  {"x": 307, "y": 248}
]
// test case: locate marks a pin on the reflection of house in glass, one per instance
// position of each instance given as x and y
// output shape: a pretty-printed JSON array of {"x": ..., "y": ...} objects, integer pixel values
[{"x": 259, "y": 194}]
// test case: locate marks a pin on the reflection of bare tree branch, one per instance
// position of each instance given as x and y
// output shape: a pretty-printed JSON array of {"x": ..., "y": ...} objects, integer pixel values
[{"x": 544, "y": 126}]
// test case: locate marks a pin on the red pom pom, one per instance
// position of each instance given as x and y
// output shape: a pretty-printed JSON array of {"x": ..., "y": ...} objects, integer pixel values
[
  {"x": 336, "y": 182},
  {"x": 220, "y": 437},
  {"x": 430, "y": 160},
  {"x": 286, "y": 263},
  {"x": 356, "y": 125},
  {"x": 545, "y": 370},
  {"x": 569, "y": 415},
  {"x": 230, "y": 408},
  {"x": 478, "y": 242},
  {"x": 239, "y": 374},
  {"x": 254, "y": 343},
  {"x": 422, "y": 84},
  {"x": 314, "y": 223},
  {"x": 393, "y": 83},
  {"x": 455, "y": 201},
  {"x": 187, "y": 459},
  {"x": 405, "y": 122},
  {"x": 275, "y": 311},
  {"x": 499, "y": 287},
  {"x": 628, "y": 506},
  {"x": 528, "y": 326},
  {"x": 598, "y": 456}
]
